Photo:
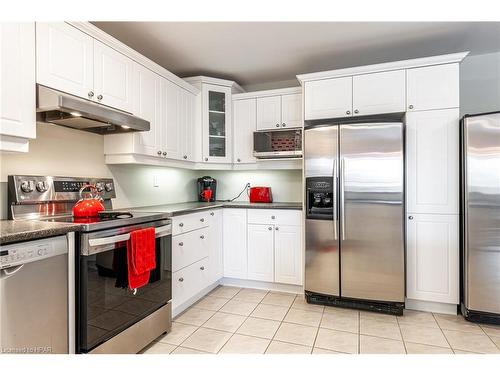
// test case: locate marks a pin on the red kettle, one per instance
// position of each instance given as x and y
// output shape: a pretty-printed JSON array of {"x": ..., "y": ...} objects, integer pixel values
[{"x": 89, "y": 206}]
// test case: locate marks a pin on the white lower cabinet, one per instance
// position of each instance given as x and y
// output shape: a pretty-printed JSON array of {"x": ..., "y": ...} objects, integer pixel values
[
  {"x": 215, "y": 257},
  {"x": 433, "y": 258},
  {"x": 189, "y": 281},
  {"x": 235, "y": 242},
  {"x": 261, "y": 252},
  {"x": 288, "y": 254}
]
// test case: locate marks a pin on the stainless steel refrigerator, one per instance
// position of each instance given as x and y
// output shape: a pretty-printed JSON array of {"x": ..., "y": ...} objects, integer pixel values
[
  {"x": 481, "y": 217},
  {"x": 354, "y": 180}
]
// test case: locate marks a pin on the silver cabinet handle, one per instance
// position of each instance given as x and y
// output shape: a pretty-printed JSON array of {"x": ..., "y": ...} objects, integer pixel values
[
  {"x": 185, "y": 156},
  {"x": 238, "y": 160},
  {"x": 270, "y": 228},
  {"x": 410, "y": 106},
  {"x": 347, "y": 112},
  {"x": 277, "y": 125},
  {"x": 159, "y": 153},
  {"x": 277, "y": 228},
  {"x": 91, "y": 94},
  {"x": 206, "y": 159},
  {"x": 283, "y": 124},
  {"x": 181, "y": 243},
  {"x": 181, "y": 279},
  {"x": 164, "y": 153},
  {"x": 202, "y": 220},
  {"x": 273, "y": 217},
  {"x": 410, "y": 217},
  {"x": 342, "y": 203},
  {"x": 202, "y": 268},
  {"x": 202, "y": 237},
  {"x": 356, "y": 111},
  {"x": 181, "y": 224},
  {"x": 99, "y": 97},
  {"x": 211, "y": 214}
]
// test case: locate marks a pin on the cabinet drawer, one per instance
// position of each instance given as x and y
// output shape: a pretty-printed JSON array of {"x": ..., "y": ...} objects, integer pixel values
[
  {"x": 187, "y": 223},
  {"x": 189, "y": 248},
  {"x": 189, "y": 281},
  {"x": 280, "y": 217}
]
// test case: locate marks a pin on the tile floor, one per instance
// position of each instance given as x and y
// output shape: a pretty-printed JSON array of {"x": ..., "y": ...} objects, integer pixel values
[{"x": 236, "y": 320}]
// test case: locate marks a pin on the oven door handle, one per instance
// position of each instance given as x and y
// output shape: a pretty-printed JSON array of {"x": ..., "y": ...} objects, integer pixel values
[{"x": 159, "y": 232}]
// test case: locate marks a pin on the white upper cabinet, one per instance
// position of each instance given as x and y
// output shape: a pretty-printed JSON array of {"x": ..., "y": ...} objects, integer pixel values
[
  {"x": 17, "y": 88},
  {"x": 113, "y": 77},
  {"x": 269, "y": 112},
  {"x": 65, "y": 59},
  {"x": 261, "y": 252},
  {"x": 171, "y": 140},
  {"x": 328, "y": 98},
  {"x": 288, "y": 254},
  {"x": 244, "y": 124},
  {"x": 433, "y": 87},
  {"x": 432, "y": 155},
  {"x": 235, "y": 242},
  {"x": 216, "y": 123},
  {"x": 379, "y": 93},
  {"x": 432, "y": 258},
  {"x": 148, "y": 105},
  {"x": 291, "y": 111}
]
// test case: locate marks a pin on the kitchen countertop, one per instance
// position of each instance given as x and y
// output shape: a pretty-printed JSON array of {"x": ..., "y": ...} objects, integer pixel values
[
  {"x": 27, "y": 230},
  {"x": 177, "y": 209}
]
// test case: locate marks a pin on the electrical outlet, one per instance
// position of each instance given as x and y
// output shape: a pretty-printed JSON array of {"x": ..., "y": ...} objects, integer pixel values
[{"x": 156, "y": 183}]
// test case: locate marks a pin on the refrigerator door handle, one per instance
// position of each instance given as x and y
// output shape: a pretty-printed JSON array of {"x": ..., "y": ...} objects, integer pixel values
[
  {"x": 342, "y": 199},
  {"x": 335, "y": 215}
]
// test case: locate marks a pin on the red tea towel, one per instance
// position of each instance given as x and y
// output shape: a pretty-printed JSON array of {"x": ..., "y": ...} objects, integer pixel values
[{"x": 141, "y": 257}]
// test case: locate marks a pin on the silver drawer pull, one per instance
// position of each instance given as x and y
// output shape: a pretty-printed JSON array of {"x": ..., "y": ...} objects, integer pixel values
[
  {"x": 273, "y": 217},
  {"x": 202, "y": 268},
  {"x": 202, "y": 237},
  {"x": 181, "y": 224},
  {"x": 202, "y": 220},
  {"x": 181, "y": 243},
  {"x": 277, "y": 228},
  {"x": 270, "y": 228},
  {"x": 181, "y": 279},
  {"x": 211, "y": 214}
]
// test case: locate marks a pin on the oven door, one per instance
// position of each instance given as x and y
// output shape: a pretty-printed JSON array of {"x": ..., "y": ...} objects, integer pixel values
[{"x": 105, "y": 305}]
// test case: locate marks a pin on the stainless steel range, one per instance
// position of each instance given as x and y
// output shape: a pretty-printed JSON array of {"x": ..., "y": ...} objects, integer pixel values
[{"x": 110, "y": 318}]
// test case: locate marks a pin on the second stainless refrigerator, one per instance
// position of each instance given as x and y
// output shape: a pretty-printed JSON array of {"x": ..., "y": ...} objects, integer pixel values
[{"x": 354, "y": 215}]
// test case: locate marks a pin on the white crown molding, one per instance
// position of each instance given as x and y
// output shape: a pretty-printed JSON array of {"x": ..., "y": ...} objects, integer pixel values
[
  {"x": 264, "y": 93},
  {"x": 114, "y": 43},
  {"x": 236, "y": 88},
  {"x": 393, "y": 65}
]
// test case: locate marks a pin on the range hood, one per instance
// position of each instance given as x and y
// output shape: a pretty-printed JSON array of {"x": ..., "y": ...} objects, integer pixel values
[{"x": 67, "y": 110}]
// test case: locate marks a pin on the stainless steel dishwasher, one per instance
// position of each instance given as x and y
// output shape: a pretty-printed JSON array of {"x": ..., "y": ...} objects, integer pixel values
[{"x": 34, "y": 296}]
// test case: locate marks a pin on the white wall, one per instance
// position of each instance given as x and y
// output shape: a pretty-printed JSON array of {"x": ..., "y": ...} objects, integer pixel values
[{"x": 480, "y": 84}]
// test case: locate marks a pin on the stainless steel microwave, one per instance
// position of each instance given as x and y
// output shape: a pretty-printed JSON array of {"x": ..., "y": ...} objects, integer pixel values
[{"x": 274, "y": 144}]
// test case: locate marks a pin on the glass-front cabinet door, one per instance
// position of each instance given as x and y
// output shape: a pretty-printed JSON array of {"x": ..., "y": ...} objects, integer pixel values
[{"x": 216, "y": 119}]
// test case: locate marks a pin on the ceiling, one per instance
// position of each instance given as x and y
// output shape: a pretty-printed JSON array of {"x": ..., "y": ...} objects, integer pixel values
[{"x": 254, "y": 53}]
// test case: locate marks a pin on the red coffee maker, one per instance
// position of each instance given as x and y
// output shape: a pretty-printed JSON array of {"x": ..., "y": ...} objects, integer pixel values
[{"x": 207, "y": 189}]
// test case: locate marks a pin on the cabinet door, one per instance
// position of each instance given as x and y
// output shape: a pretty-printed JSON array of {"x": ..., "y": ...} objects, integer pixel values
[
  {"x": 188, "y": 130},
  {"x": 113, "y": 77},
  {"x": 432, "y": 156},
  {"x": 216, "y": 118},
  {"x": 379, "y": 93},
  {"x": 244, "y": 124},
  {"x": 328, "y": 98},
  {"x": 288, "y": 254},
  {"x": 433, "y": 87},
  {"x": 291, "y": 111},
  {"x": 269, "y": 112},
  {"x": 17, "y": 77},
  {"x": 64, "y": 59},
  {"x": 148, "y": 105},
  {"x": 432, "y": 259},
  {"x": 261, "y": 252},
  {"x": 175, "y": 121},
  {"x": 235, "y": 242},
  {"x": 215, "y": 256}
]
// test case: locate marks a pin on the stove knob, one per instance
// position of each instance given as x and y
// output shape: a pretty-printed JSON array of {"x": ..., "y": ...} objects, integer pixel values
[
  {"x": 41, "y": 186},
  {"x": 99, "y": 186},
  {"x": 108, "y": 186},
  {"x": 27, "y": 186}
]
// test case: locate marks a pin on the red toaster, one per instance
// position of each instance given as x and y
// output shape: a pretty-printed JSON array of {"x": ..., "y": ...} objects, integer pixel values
[{"x": 261, "y": 194}]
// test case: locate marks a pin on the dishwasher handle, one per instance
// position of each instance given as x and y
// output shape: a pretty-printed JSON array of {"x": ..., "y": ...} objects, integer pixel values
[{"x": 11, "y": 271}]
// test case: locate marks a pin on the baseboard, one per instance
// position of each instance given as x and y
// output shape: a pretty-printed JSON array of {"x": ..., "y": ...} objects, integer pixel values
[
  {"x": 435, "y": 307},
  {"x": 183, "y": 306},
  {"x": 275, "y": 287}
]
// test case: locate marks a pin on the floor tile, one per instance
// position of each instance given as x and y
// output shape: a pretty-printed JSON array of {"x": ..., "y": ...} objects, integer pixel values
[
  {"x": 182, "y": 350},
  {"x": 179, "y": 333},
  {"x": 338, "y": 341},
  {"x": 296, "y": 334},
  {"x": 423, "y": 335},
  {"x": 464, "y": 352},
  {"x": 340, "y": 321},
  {"x": 491, "y": 330},
  {"x": 378, "y": 345},
  {"x": 421, "y": 318},
  {"x": 251, "y": 295},
  {"x": 368, "y": 315},
  {"x": 279, "y": 299},
  {"x": 211, "y": 303},
  {"x": 473, "y": 342},
  {"x": 225, "y": 291},
  {"x": 194, "y": 316},
  {"x": 324, "y": 351},
  {"x": 239, "y": 307},
  {"x": 240, "y": 344},
  {"x": 301, "y": 304},
  {"x": 207, "y": 340},
  {"x": 224, "y": 322},
  {"x": 456, "y": 323},
  {"x": 308, "y": 318},
  {"x": 278, "y": 347},
  {"x": 380, "y": 328},
  {"x": 412, "y": 348},
  {"x": 270, "y": 312},
  {"x": 496, "y": 340},
  {"x": 257, "y": 327},
  {"x": 159, "y": 348}
]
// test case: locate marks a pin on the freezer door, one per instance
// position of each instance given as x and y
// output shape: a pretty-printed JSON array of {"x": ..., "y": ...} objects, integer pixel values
[
  {"x": 482, "y": 213},
  {"x": 371, "y": 210},
  {"x": 322, "y": 241}
]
